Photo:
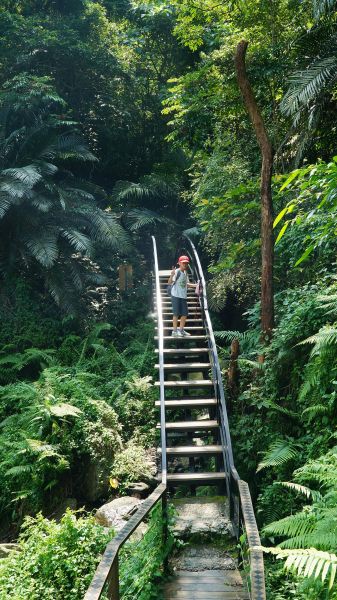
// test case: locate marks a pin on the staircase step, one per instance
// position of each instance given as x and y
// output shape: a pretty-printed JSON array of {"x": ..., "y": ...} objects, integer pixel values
[
  {"x": 207, "y": 424},
  {"x": 190, "y": 320},
  {"x": 187, "y": 383},
  {"x": 201, "y": 478},
  {"x": 193, "y": 450},
  {"x": 192, "y": 328},
  {"x": 198, "y": 366},
  {"x": 190, "y": 403},
  {"x": 203, "y": 350},
  {"x": 183, "y": 338}
]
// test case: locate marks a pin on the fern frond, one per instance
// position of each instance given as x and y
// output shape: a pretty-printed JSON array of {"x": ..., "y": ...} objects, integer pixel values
[
  {"x": 279, "y": 452},
  {"x": 300, "y": 523},
  {"x": 19, "y": 470},
  {"x": 317, "y": 539},
  {"x": 326, "y": 336},
  {"x": 308, "y": 563},
  {"x": 301, "y": 489}
]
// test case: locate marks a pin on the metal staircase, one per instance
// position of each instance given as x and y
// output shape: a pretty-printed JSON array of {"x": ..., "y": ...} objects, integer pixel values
[{"x": 195, "y": 439}]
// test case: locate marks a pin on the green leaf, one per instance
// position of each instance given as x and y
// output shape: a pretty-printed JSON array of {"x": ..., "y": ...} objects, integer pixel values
[
  {"x": 291, "y": 178},
  {"x": 305, "y": 255},
  {"x": 282, "y": 231}
]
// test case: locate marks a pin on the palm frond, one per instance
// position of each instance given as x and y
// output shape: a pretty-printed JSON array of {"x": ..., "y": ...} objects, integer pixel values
[
  {"x": 43, "y": 248},
  {"x": 29, "y": 174},
  {"x": 142, "y": 217},
  {"x": 321, "y": 7},
  {"x": 278, "y": 453},
  {"x": 308, "y": 84},
  {"x": 79, "y": 241}
]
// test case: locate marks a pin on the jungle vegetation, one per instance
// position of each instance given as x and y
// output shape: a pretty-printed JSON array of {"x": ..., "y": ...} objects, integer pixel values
[{"x": 122, "y": 118}]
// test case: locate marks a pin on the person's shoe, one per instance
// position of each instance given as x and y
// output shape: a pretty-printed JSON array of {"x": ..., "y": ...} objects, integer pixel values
[
  {"x": 174, "y": 333},
  {"x": 179, "y": 333},
  {"x": 184, "y": 333}
]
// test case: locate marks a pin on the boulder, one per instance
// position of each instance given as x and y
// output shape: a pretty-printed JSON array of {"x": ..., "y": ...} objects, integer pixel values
[
  {"x": 117, "y": 512},
  {"x": 138, "y": 490},
  {"x": 5, "y": 549}
]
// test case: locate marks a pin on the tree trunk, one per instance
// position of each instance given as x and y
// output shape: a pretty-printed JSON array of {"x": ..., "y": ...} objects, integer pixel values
[
  {"x": 267, "y": 237},
  {"x": 234, "y": 371}
]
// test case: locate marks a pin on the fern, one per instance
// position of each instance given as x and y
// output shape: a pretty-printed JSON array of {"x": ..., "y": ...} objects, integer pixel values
[
  {"x": 279, "y": 453},
  {"x": 309, "y": 563}
]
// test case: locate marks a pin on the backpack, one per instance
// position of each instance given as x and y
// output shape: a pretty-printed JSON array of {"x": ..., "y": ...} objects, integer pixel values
[{"x": 170, "y": 285}]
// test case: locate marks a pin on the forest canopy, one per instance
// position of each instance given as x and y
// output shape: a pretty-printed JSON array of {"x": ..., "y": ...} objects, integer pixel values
[{"x": 125, "y": 118}]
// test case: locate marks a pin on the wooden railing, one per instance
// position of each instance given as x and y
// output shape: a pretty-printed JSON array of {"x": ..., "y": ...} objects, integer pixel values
[
  {"x": 240, "y": 502},
  {"x": 107, "y": 579}
]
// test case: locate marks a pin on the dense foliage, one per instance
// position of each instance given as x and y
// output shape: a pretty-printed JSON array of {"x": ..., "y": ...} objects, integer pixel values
[{"x": 121, "y": 119}]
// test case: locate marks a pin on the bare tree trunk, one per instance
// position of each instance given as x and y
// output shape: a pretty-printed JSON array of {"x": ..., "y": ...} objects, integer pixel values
[
  {"x": 267, "y": 238},
  {"x": 233, "y": 370}
]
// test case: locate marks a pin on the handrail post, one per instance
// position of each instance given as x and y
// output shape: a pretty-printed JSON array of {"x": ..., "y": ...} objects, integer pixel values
[
  {"x": 113, "y": 587},
  {"x": 165, "y": 527},
  {"x": 161, "y": 366}
]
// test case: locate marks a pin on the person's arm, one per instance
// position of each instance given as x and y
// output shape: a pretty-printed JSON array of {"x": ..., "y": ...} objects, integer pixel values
[
  {"x": 192, "y": 285},
  {"x": 173, "y": 272}
]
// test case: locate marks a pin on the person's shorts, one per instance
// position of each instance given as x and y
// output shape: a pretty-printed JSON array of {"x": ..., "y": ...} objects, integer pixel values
[{"x": 179, "y": 306}]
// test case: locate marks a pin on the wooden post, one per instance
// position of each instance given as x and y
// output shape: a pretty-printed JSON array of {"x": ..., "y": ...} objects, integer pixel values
[{"x": 113, "y": 586}]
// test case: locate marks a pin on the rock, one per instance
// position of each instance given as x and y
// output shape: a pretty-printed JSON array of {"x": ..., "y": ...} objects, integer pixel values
[
  {"x": 116, "y": 513},
  {"x": 139, "y": 533},
  {"x": 61, "y": 509},
  {"x": 5, "y": 549},
  {"x": 204, "y": 517},
  {"x": 138, "y": 490},
  {"x": 203, "y": 557}
]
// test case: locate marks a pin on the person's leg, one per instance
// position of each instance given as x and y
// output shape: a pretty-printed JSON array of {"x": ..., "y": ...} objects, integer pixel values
[
  {"x": 184, "y": 314},
  {"x": 175, "y": 311},
  {"x": 182, "y": 321}
]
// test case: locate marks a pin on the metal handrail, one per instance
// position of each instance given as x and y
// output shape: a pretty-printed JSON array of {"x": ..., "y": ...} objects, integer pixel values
[
  {"x": 107, "y": 572},
  {"x": 243, "y": 517},
  {"x": 160, "y": 330}
]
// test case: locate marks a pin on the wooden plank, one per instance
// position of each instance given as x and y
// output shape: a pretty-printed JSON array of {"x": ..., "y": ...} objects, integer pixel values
[
  {"x": 187, "y": 383},
  {"x": 193, "y": 450},
  {"x": 191, "y": 425},
  {"x": 195, "y": 477},
  {"x": 198, "y": 402},
  {"x": 202, "y": 350},
  {"x": 179, "y": 339},
  {"x": 200, "y": 366}
]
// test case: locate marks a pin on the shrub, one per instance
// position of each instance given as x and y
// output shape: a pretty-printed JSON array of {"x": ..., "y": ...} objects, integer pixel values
[{"x": 56, "y": 560}]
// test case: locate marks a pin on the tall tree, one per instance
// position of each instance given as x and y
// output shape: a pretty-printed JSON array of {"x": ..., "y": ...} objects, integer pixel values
[{"x": 267, "y": 238}]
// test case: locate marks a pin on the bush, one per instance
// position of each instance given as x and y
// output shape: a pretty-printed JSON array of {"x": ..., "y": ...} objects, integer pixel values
[
  {"x": 56, "y": 560},
  {"x": 131, "y": 465}
]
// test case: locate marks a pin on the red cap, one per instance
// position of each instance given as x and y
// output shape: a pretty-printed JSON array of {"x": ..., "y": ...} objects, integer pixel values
[{"x": 183, "y": 259}]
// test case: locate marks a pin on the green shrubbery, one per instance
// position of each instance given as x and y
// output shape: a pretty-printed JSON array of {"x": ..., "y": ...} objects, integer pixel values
[{"x": 55, "y": 560}]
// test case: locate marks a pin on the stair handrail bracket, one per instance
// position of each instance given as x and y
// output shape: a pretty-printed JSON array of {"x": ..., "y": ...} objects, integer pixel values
[
  {"x": 106, "y": 577},
  {"x": 240, "y": 502},
  {"x": 160, "y": 326}
]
